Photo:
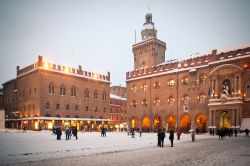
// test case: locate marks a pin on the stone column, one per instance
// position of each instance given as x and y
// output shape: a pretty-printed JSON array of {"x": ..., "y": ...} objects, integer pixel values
[
  {"x": 237, "y": 115},
  {"x": 214, "y": 118},
  {"x": 210, "y": 117},
  {"x": 233, "y": 117}
]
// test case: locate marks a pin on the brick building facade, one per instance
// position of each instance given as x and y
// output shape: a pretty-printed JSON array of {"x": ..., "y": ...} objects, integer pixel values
[
  {"x": 44, "y": 94},
  {"x": 206, "y": 90},
  {"x": 118, "y": 113}
]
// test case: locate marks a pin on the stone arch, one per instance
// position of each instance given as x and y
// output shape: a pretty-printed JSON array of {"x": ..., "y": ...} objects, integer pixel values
[
  {"x": 201, "y": 122},
  {"x": 225, "y": 66},
  {"x": 134, "y": 122},
  {"x": 157, "y": 122},
  {"x": 185, "y": 122},
  {"x": 146, "y": 124},
  {"x": 170, "y": 122}
]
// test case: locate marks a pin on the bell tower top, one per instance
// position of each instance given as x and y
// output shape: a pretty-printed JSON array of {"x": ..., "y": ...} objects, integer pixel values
[
  {"x": 150, "y": 51},
  {"x": 148, "y": 29}
]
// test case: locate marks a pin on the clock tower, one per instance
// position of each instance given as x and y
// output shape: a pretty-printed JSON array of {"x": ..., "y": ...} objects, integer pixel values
[{"x": 150, "y": 51}]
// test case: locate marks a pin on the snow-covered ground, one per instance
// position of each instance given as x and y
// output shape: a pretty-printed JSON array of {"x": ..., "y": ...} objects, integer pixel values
[
  {"x": 32, "y": 146},
  {"x": 18, "y": 147}
]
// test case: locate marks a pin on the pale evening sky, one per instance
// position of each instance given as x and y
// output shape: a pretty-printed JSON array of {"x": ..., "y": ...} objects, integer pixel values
[{"x": 99, "y": 34}]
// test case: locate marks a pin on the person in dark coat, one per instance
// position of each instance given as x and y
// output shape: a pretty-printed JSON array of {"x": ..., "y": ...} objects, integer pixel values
[
  {"x": 179, "y": 134},
  {"x": 235, "y": 132},
  {"x": 159, "y": 138},
  {"x": 58, "y": 133},
  {"x": 133, "y": 133},
  {"x": 74, "y": 131},
  {"x": 102, "y": 132},
  {"x": 67, "y": 132},
  {"x": 247, "y": 133},
  {"x": 171, "y": 137}
]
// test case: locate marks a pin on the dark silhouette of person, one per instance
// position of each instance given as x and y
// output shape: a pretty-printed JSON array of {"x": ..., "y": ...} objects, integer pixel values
[
  {"x": 235, "y": 132},
  {"x": 67, "y": 132},
  {"x": 74, "y": 131},
  {"x": 247, "y": 133},
  {"x": 171, "y": 137},
  {"x": 58, "y": 133}
]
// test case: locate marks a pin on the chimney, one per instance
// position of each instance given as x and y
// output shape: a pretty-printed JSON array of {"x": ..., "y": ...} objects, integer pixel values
[
  {"x": 109, "y": 76},
  {"x": 40, "y": 60}
]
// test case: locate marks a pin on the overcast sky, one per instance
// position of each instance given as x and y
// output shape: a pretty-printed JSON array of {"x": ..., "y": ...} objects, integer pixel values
[{"x": 99, "y": 34}]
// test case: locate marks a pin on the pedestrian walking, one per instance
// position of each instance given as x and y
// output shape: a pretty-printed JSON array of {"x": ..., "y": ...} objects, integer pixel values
[
  {"x": 58, "y": 133},
  {"x": 235, "y": 132},
  {"x": 159, "y": 138},
  {"x": 193, "y": 135},
  {"x": 179, "y": 134},
  {"x": 74, "y": 131},
  {"x": 171, "y": 137},
  {"x": 67, "y": 132},
  {"x": 247, "y": 133},
  {"x": 133, "y": 133}
]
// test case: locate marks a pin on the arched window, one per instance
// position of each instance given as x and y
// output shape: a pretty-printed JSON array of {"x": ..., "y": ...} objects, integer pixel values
[
  {"x": 201, "y": 98},
  {"x": 104, "y": 96},
  {"x": 185, "y": 99},
  {"x": 171, "y": 83},
  {"x": 51, "y": 88},
  {"x": 95, "y": 95},
  {"x": 202, "y": 79},
  {"x": 134, "y": 89},
  {"x": 133, "y": 103},
  {"x": 185, "y": 80},
  {"x": 144, "y": 102},
  {"x": 157, "y": 101},
  {"x": 62, "y": 90},
  {"x": 73, "y": 91},
  {"x": 144, "y": 87},
  {"x": 157, "y": 85},
  {"x": 46, "y": 106},
  {"x": 86, "y": 93},
  {"x": 171, "y": 100}
]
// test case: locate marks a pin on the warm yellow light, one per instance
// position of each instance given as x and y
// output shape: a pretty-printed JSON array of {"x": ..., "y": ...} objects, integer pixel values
[
  {"x": 46, "y": 65},
  {"x": 88, "y": 122},
  {"x": 36, "y": 125},
  {"x": 50, "y": 125},
  {"x": 66, "y": 70},
  {"x": 245, "y": 66},
  {"x": 53, "y": 121},
  {"x": 95, "y": 76},
  {"x": 244, "y": 95}
]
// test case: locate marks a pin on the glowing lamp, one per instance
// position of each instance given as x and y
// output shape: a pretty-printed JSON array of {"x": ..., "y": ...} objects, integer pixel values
[
  {"x": 46, "y": 65},
  {"x": 66, "y": 70}
]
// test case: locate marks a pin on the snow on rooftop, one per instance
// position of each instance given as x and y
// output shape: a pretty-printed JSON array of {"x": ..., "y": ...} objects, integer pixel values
[{"x": 117, "y": 97}]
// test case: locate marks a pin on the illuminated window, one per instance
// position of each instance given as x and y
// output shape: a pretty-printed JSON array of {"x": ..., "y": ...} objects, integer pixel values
[
  {"x": 202, "y": 79},
  {"x": 62, "y": 91},
  {"x": 134, "y": 89},
  {"x": 73, "y": 92},
  {"x": 95, "y": 95},
  {"x": 157, "y": 101},
  {"x": 144, "y": 102},
  {"x": 144, "y": 87},
  {"x": 157, "y": 85},
  {"x": 185, "y": 80},
  {"x": 171, "y": 100},
  {"x": 171, "y": 83},
  {"x": 134, "y": 103},
  {"x": 104, "y": 96},
  {"x": 201, "y": 98},
  {"x": 185, "y": 99},
  {"x": 47, "y": 106},
  {"x": 86, "y": 93}
]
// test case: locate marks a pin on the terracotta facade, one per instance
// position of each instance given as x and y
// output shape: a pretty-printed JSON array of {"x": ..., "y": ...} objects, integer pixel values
[{"x": 207, "y": 90}]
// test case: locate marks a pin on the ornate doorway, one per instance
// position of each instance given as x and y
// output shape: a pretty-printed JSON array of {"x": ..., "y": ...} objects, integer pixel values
[{"x": 225, "y": 120}]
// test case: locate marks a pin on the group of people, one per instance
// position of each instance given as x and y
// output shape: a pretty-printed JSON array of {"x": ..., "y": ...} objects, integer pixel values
[
  {"x": 161, "y": 136},
  {"x": 69, "y": 131},
  {"x": 223, "y": 132}
]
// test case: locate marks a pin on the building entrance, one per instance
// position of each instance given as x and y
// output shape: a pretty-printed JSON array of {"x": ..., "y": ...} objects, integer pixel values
[{"x": 225, "y": 120}]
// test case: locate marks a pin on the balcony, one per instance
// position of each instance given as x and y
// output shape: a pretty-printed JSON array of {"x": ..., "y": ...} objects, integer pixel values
[{"x": 225, "y": 100}]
